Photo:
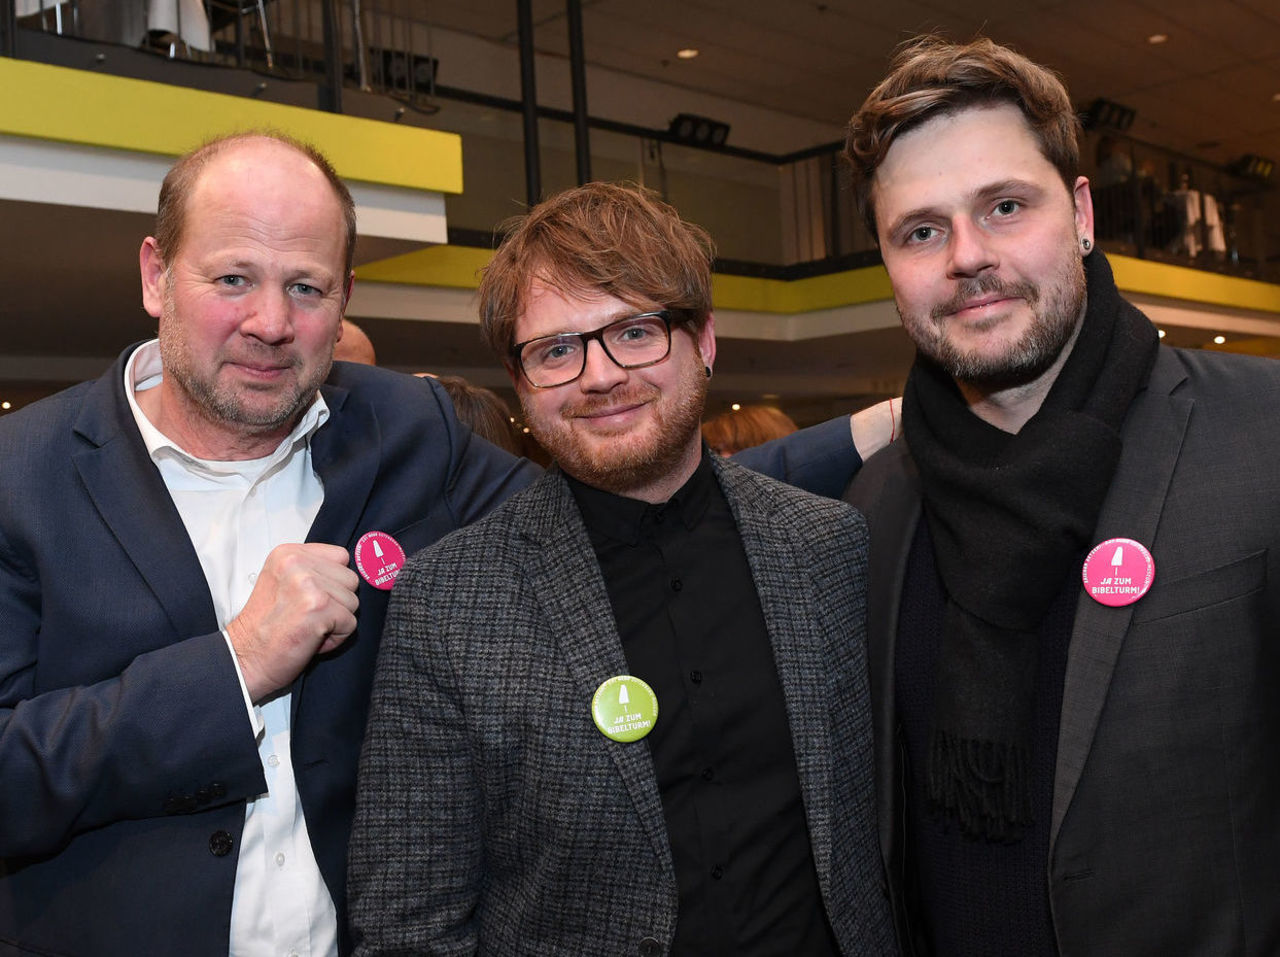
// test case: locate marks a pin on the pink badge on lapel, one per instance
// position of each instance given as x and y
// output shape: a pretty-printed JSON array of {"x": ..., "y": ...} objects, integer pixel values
[
  {"x": 1118, "y": 572},
  {"x": 379, "y": 559}
]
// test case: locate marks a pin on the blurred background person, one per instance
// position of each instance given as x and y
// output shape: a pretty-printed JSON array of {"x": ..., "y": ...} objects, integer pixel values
[
  {"x": 744, "y": 428},
  {"x": 484, "y": 411},
  {"x": 354, "y": 345}
]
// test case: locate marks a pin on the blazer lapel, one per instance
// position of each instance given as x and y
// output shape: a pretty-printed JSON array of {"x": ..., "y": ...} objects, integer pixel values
[
  {"x": 563, "y": 572},
  {"x": 346, "y": 453},
  {"x": 789, "y": 613},
  {"x": 1153, "y": 434},
  {"x": 887, "y": 492},
  {"x": 129, "y": 494}
]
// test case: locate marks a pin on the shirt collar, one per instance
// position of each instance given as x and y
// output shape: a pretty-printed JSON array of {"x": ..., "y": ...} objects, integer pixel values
[
  {"x": 143, "y": 370},
  {"x": 628, "y": 519}
]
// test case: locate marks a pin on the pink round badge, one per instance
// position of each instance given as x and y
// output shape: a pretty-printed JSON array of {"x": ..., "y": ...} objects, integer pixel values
[
  {"x": 379, "y": 559},
  {"x": 1118, "y": 572}
]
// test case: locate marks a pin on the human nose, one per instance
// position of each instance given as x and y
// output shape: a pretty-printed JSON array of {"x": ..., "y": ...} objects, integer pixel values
[
  {"x": 270, "y": 317},
  {"x": 599, "y": 372},
  {"x": 969, "y": 251}
]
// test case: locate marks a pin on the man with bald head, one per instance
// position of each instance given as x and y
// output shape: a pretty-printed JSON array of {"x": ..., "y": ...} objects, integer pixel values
[
  {"x": 186, "y": 649},
  {"x": 354, "y": 345}
]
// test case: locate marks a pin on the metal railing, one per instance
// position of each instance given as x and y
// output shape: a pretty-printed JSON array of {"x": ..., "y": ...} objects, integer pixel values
[{"x": 775, "y": 214}]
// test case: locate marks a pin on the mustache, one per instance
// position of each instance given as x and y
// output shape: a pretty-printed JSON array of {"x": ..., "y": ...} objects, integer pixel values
[
  {"x": 970, "y": 289},
  {"x": 593, "y": 405}
]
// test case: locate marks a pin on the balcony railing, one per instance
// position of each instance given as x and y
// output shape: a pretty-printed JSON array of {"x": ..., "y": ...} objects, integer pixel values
[{"x": 773, "y": 214}]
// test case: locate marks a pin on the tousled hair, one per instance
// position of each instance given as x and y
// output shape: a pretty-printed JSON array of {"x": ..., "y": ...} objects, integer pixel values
[
  {"x": 180, "y": 181},
  {"x": 615, "y": 239},
  {"x": 931, "y": 76}
]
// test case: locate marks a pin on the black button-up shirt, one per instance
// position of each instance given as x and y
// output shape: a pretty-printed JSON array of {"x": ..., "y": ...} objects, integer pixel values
[{"x": 691, "y": 626}]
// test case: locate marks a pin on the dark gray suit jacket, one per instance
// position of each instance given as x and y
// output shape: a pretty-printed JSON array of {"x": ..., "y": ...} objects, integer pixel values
[
  {"x": 493, "y": 816},
  {"x": 1165, "y": 836}
]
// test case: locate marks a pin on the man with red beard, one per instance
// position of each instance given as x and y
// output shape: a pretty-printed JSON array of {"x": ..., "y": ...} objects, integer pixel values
[
  {"x": 1073, "y": 568},
  {"x": 627, "y": 713}
]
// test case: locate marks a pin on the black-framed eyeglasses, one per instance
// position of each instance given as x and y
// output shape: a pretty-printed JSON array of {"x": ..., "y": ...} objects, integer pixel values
[{"x": 632, "y": 343}]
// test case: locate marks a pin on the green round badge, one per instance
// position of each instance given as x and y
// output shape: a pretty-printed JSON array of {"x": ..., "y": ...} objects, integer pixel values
[{"x": 624, "y": 708}]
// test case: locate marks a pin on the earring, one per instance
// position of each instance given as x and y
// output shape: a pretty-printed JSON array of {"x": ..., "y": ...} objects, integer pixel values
[
  {"x": 707, "y": 369},
  {"x": 1085, "y": 244}
]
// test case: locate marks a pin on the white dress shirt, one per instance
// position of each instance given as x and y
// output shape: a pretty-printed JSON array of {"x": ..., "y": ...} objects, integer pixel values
[{"x": 235, "y": 514}]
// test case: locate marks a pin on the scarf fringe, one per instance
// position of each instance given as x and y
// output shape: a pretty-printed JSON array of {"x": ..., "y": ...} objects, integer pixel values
[{"x": 983, "y": 785}]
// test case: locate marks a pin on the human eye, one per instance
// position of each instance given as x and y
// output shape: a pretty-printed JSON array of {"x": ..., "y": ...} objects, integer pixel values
[
  {"x": 305, "y": 289},
  {"x": 232, "y": 281},
  {"x": 556, "y": 351},
  {"x": 637, "y": 331},
  {"x": 1007, "y": 207},
  {"x": 921, "y": 234}
]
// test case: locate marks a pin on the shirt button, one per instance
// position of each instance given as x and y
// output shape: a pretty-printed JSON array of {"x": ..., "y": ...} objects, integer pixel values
[
  {"x": 717, "y": 872},
  {"x": 253, "y": 577},
  {"x": 695, "y": 676},
  {"x": 273, "y": 760},
  {"x": 649, "y": 947},
  {"x": 279, "y": 860},
  {"x": 708, "y": 774},
  {"x": 676, "y": 584}
]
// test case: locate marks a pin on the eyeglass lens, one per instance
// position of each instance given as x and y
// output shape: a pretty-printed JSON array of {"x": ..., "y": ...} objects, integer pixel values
[{"x": 631, "y": 342}]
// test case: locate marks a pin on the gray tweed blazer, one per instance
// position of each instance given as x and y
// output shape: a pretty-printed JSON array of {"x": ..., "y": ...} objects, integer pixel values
[{"x": 493, "y": 817}]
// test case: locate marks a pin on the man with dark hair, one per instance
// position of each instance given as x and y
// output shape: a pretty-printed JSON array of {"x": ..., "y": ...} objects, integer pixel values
[
  {"x": 1074, "y": 557},
  {"x": 627, "y": 713}
]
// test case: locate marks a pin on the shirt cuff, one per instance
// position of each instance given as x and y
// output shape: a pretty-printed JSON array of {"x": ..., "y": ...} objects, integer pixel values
[{"x": 255, "y": 714}]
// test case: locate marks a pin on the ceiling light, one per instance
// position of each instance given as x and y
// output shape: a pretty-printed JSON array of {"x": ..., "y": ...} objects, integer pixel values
[
  {"x": 736, "y": 407},
  {"x": 688, "y": 53},
  {"x": 1157, "y": 38},
  {"x": 1219, "y": 340},
  {"x": 5, "y": 405},
  {"x": 1161, "y": 333}
]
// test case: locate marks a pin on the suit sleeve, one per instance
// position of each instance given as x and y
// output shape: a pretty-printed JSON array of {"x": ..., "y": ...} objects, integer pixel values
[
  {"x": 821, "y": 459},
  {"x": 415, "y": 861},
  {"x": 168, "y": 734}
]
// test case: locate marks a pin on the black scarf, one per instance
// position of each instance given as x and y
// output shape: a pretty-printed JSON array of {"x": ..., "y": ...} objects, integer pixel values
[{"x": 1010, "y": 516}]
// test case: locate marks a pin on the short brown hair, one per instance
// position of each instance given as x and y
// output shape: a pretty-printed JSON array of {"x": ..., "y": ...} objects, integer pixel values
[
  {"x": 615, "y": 239},
  {"x": 171, "y": 214},
  {"x": 745, "y": 428},
  {"x": 931, "y": 76}
]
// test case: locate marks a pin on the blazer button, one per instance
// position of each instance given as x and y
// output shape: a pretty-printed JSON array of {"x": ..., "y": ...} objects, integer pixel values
[
  {"x": 220, "y": 843},
  {"x": 649, "y": 947}
]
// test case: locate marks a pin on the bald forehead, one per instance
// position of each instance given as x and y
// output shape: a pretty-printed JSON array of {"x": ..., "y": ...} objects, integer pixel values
[{"x": 256, "y": 158}]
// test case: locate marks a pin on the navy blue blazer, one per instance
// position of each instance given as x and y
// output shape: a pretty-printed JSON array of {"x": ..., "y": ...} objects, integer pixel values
[{"x": 126, "y": 755}]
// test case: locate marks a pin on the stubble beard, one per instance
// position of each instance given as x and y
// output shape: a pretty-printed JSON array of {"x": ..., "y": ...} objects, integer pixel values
[
  {"x": 225, "y": 405},
  {"x": 1057, "y": 309},
  {"x": 629, "y": 462}
]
